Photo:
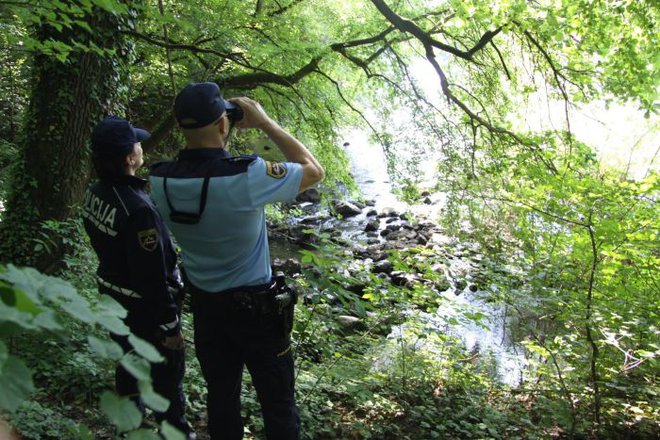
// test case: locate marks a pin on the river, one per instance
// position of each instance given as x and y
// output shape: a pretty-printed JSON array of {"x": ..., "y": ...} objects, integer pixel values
[{"x": 488, "y": 337}]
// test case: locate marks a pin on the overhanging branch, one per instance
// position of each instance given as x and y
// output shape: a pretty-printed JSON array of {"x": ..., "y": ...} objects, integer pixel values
[{"x": 410, "y": 27}]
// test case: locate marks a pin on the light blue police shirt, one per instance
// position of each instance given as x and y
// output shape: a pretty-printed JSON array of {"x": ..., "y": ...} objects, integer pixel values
[{"x": 228, "y": 247}]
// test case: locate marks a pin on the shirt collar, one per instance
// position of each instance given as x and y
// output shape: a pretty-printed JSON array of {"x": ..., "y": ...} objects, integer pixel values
[
  {"x": 132, "y": 181},
  {"x": 203, "y": 153}
]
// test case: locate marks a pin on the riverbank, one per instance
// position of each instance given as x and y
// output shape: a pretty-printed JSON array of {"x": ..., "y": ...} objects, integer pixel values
[{"x": 383, "y": 253}]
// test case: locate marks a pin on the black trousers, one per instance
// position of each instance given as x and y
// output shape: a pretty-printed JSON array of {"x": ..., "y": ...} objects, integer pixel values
[
  {"x": 229, "y": 336},
  {"x": 166, "y": 376}
]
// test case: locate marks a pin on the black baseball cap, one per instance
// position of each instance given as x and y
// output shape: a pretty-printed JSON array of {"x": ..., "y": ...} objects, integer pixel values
[
  {"x": 115, "y": 136},
  {"x": 200, "y": 104}
]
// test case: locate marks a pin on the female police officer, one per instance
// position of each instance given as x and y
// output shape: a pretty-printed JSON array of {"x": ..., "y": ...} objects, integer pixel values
[{"x": 137, "y": 261}]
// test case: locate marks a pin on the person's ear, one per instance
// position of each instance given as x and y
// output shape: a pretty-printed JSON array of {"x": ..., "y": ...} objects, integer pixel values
[{"x": 224, "y": 126}]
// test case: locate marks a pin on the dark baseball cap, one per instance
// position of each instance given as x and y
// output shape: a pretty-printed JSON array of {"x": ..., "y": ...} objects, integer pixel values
[
  {"x": 200, "y": 104},
  {"x": 115, "y": 136}
]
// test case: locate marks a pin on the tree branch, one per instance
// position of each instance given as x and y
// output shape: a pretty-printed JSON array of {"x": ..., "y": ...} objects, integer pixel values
[
  {"x": 348, "y": 103},
  {"x": 558, "y": 80},
  {"x": 593, "y": 377},
  {"x": 499, "y": 54},
  {"x": 251, "y": 80},
  {"x": 180, "y": 46},
  {"x": 409, "y": 27}
]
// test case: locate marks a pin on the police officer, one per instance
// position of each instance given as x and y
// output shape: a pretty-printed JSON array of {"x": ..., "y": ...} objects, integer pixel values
[
  {"x": 214, "y": 204},
  {"x": 137, "y": 262}
]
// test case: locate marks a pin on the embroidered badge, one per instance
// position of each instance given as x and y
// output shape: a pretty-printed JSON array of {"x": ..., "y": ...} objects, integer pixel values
[
  {"x": 148, "y": 239},
  {"x": 275, "y": 169}
]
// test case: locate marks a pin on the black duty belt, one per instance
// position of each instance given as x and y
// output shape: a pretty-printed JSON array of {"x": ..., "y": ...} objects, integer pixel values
[{"x": 273, "y": 296}]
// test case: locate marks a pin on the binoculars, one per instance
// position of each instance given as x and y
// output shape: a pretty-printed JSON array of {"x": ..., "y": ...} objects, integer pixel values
[{"x": 234, "y": 112}]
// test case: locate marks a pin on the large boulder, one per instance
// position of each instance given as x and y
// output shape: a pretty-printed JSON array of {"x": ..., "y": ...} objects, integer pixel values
[
  {"x": 311, "y": 195},
  {"x": 372, "y": 225},
  {"x": 383, "y": 266},
  {"x": 346, "y": 209},
  {"x": 350, "y": 324},
  {"x": 389, "y": 212}
]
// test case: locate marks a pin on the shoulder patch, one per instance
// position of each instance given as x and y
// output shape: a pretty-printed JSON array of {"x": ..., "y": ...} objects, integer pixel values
[
  {"x": 148, "y": 239},
  {"x": 275, "y": 169}
]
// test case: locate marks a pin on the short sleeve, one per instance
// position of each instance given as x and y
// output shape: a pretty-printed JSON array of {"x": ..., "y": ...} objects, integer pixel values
[{"x": 270, "y": 182}]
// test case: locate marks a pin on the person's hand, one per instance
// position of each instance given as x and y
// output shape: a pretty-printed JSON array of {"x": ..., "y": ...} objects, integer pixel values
[
  {"x": 174, "y": 342},
  {"x": 254, "y": 115}
]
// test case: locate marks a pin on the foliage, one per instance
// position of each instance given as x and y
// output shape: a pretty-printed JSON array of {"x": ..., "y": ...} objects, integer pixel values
[
  {"x": 447, "y": 83},
  {"x": 37, "y": 422},
  {"x": 582, "y": 241},
  {"x": 37, "y": 304}
]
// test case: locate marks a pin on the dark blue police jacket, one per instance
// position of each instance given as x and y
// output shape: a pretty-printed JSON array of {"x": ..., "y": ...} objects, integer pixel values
[{"x": 137, "y": 260}]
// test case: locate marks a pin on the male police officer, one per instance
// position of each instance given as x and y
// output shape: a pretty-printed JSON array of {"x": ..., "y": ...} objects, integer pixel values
[
  {"x": 137, "y": 261},
  {"x": 214, "y": 205}
]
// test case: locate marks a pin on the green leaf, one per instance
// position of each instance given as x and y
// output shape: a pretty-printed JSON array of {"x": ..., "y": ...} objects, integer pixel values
[
  {"x": 15, "y": 383},
  {"x": 136, "y": 366},
  {"x": 57, "y": 288},
  {"x": 105, "y": 349},
  {"x": 143, "y": 434},
  {"x": 18, "y": 299},
  {"x": 13, "y": 322},
  {"x": 27, "y": 280},
  {"x": 170, "y": 432},
  {"x": 111, "y": 307},
  {"x": 145, "y": 349},
  {"x": 82, "y": 432},
  {"x": 121, "y": 411},
  {"x": 4, "y": 354},
  {"x": 48, "y": 320},
  {"x": 112, "y": 324},
  {"x": 152, "y": 399},
  {"x": 79, "y": 308}
]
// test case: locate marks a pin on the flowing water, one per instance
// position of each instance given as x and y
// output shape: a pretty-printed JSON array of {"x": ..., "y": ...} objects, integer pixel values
[
  {"x": 482, "y": 326},
  {"x": 488, "y": 336}
]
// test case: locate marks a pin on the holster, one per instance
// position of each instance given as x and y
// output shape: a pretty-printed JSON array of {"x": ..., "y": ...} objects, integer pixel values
[{"x": 285, "y": 300}]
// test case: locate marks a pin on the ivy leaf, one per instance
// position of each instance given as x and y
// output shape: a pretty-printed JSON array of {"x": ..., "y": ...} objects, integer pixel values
[
  {"x": 145, "y": 349},
  {"x": 151, "y": 398},
  {"x": 15, "y": 383},
  {"x": 121, "y": 411}
]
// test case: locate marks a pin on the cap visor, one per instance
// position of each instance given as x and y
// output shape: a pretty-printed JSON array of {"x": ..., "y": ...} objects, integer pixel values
[{"x": 141, "y": 134}]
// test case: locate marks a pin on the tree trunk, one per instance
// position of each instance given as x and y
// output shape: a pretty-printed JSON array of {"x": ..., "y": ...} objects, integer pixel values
[{"x": 53, "y": 169}]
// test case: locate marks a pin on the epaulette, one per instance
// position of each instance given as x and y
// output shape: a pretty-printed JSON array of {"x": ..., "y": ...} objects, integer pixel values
[
  {"x": 159, "y": 163},
  {"x": 243, "y": 158}
]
